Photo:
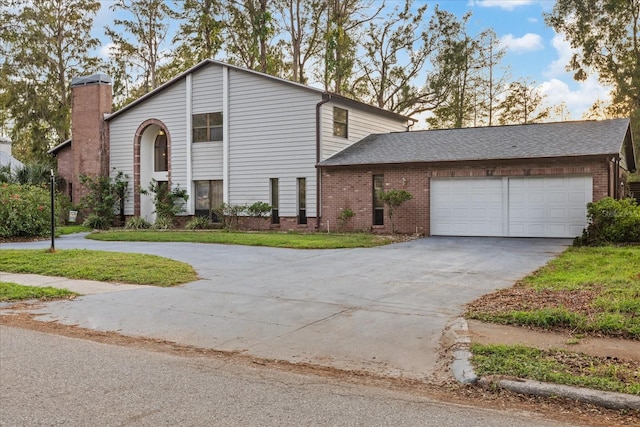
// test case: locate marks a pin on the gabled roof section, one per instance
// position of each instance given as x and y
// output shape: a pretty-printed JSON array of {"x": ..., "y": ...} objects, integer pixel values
[
  {"x": 59, "y": 147},
  {"x": 543, "y": 140},
  {"x": 208, "y": 62}
]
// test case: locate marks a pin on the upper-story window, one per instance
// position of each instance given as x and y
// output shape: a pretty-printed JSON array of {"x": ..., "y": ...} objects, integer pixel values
[
  {"x": 207, "y": 127},
  {"x": 340, "y": 122},
  {"x": 160, "y": 153}
]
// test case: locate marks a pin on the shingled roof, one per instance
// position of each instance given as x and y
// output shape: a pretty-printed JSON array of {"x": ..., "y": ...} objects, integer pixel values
[{"x": 543, "y": 140}]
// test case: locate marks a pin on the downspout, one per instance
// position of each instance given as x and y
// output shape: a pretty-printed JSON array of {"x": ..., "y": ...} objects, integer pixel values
[
  {"x": 326, "y": 97},
  {"x": 609, "y": 177},
  {"x": 616, "y": 179}
]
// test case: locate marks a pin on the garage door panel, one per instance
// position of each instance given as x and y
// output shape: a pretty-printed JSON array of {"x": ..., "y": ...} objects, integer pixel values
[
  {"x": 513, "y": 206},
  {"x": 466, "y": 207},
  {"x": 555, "y": 206}
]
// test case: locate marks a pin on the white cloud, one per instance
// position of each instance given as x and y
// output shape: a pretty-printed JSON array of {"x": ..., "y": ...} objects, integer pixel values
[
  {"x": 565, "y": 52},
  {"x": 528, "y": 43},
  {"x": 503, "y": 4},
  {"x": 533, "y": 20},
  {"x": 107, "y": 49},
  {"x": 579, "y": 100}
]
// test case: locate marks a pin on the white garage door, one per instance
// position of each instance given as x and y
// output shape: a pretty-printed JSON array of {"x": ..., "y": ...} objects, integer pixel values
[{"x": 510, "y": 206}]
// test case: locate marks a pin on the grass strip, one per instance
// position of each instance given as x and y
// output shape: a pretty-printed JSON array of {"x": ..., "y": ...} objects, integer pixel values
[
  {"x": 15, "y": 292},
  {"x": 99, "y": 265},
  {"x": 557, "y": 366},
  {"x": 270, "y": 239},
  {"x": 584, "y": 290},
  {"x": 71, "y": 229}
]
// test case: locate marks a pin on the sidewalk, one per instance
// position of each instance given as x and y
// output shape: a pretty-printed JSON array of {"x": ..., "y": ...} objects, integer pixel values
[{"x": 82, "y": 287}]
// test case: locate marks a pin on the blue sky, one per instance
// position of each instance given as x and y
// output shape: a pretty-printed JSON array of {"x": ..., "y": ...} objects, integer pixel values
[{"x": 534, "y": 51}]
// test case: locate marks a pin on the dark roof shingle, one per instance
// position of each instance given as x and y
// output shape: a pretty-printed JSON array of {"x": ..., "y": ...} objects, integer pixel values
[{"x": 544, "y": 140}]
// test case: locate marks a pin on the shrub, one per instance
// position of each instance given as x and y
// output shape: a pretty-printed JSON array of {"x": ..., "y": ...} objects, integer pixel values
[
  {"x": 96, "y": 222},
  {"x": 611, "y": 221},
  {"x": 105, "y": 194},
  {"x": 25, "y": 210},
  {"x": 163, "y": 223},
  {"x": 136, "y": 223},
  {"x": 393, "y": 199},
  {"x": 197, "y": 223},
  {"x": 259, "y": 210},
  {"x": 345, "y": 216},
  {"x": 229, "y": 215},
  {"x": 168, "y": 202}
]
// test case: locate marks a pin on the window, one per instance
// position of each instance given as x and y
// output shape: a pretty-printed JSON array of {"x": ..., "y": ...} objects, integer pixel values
[
  {"x": 160, "y": 153},
  {"x": 302, "y": 200},
  {"x": 340, "y": 122},
  {"x": 207, "y": 127},
  {"x": 208, "y": 197},
  {"x": 378, "y": 205},
  {"x": 275, "y": 218}
]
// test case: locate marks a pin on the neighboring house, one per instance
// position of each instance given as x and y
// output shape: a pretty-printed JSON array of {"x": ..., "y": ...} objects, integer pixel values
[
  {"x": 6, "y": 159},
  {"x": 222, "y": 133},
  {"x": 527, "y": 181}
]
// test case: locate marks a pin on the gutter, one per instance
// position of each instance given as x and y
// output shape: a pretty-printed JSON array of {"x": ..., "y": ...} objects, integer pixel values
[{"x": 326, "y": 97}]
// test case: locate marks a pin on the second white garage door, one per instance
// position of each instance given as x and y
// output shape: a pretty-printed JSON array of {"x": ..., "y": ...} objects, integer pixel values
[{"x": 510, "y": 206}]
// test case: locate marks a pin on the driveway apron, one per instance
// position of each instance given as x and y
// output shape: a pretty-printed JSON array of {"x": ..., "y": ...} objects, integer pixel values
[{"x": 381, "y": 310}]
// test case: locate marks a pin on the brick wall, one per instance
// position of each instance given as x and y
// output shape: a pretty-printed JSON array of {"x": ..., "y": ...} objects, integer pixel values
[
  {"x": 89, "y": 146},
  {"x": 64, "y": 157},
  {"x": 351, "y": 187}
]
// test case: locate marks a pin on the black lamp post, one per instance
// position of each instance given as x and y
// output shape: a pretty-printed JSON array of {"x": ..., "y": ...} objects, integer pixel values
[{"x": 53, "y": 211}]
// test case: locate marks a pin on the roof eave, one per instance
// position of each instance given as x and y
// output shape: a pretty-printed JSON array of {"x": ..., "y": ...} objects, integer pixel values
[
  {"x": 235, "y": 67},
  {"x": 475, "y": 161},
  {"x": 59, "y": 147}
]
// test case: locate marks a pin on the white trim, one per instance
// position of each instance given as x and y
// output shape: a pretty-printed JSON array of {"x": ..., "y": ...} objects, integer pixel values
[
  {"x": 225, "y": 134},
  {"x": 189, "y": 130}
]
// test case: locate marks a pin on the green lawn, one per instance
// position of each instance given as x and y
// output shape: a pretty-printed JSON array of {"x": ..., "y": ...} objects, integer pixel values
[
  {"x": 557, "y": 366},
  {"x": 70, "y": 229},
  {"x": 98, "y": 265},
  {"x": 14, "y": 292},
  {"x": 593, "y": 290},
  {"x": 271, "y": 239}
]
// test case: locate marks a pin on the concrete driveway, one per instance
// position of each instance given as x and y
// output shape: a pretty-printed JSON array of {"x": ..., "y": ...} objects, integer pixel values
[{"x": 381, "y": 310}]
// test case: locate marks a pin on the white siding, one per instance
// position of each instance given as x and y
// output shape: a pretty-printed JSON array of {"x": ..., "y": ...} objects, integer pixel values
[
  {"x": 272, "y": 135},
  {"x": 207, "y": 90},
  {"x": 207, "y": 160},
  {"x": 207, "y": 95},
  {"x": 167, "y": 106},
  {"x": 360, "y": 124}
]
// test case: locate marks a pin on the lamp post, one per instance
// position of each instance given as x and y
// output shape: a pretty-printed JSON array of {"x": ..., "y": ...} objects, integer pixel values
[{"x": 52, "y": 185}]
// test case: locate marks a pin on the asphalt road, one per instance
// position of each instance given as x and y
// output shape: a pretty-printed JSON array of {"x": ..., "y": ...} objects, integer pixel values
[{"x": 53, "y": 380}]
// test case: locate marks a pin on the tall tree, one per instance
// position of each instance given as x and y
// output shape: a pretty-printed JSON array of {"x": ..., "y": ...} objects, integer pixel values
[
  {"x": 606, "y": 36},
  {"x": 343, "y": 22},
  {"x": 199, "y": 36},
  {"x": 300, "y": 19},
  {"x": 522, "y": 104},
  {"x": 494, "y": 77},
  {"x": 395, "y": 52},
  {"x": 250, "y": 32},
  {"x": 138, "y": 42},
  {"x": 43, "y": 45}
]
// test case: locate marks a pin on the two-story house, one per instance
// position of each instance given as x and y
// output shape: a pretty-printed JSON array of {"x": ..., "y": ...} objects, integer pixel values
[{"x": 222, "y": 133}]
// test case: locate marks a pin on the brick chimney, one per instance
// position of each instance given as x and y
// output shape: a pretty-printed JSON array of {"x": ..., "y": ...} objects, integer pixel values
[{"x": 91, "y": 100}]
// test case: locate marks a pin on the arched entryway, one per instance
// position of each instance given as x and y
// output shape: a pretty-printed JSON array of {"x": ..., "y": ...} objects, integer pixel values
[{"x": 152, "y": 161}]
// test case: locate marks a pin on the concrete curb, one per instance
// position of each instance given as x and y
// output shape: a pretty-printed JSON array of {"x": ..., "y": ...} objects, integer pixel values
[
  {"x": 464, "y": 373},
  {"x": 606, "y": 399}
]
